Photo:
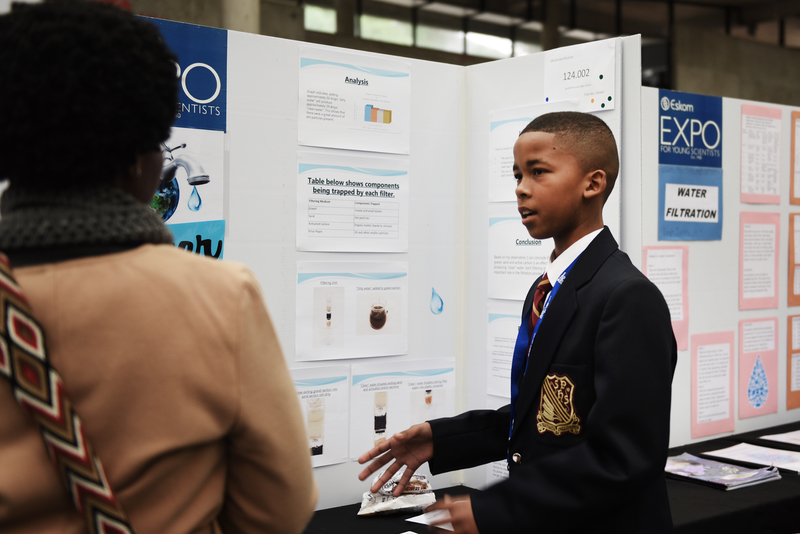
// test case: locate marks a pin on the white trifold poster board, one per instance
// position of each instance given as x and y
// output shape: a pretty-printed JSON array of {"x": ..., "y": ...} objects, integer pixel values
[{"x": 357, "y": 188}]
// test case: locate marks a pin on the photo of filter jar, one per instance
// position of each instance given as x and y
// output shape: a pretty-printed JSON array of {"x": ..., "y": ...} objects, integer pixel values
[
  {"x": 381, "y": 400},
  {"x": 316, "y": 425}
]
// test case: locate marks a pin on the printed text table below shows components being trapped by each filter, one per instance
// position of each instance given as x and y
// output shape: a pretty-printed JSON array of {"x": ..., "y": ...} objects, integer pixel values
[{"x": 353, "y": 218}]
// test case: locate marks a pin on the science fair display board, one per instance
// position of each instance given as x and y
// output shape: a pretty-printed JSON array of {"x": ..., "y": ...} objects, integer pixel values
[
  {"x": 718, "y": 233},
  {"x": 373, "y": 197}
]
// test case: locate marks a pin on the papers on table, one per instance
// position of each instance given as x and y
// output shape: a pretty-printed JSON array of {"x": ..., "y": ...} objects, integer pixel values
[
  {"x": 754, "y": 454},
  {"x": 429, "y": 517},
  {"x": 787, "y": 437},
  {"x": 717, "y": 474}
]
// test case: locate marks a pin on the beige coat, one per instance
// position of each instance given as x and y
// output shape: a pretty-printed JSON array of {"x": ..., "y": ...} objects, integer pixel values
[{"x": 173, "y": 364}]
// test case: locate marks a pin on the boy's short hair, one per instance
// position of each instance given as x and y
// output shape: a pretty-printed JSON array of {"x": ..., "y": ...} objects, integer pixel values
[{"x": 589, "y": 139}]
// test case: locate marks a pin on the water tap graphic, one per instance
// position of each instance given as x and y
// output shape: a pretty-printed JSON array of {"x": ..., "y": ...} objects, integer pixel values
[{"x": 166, "y": 199}]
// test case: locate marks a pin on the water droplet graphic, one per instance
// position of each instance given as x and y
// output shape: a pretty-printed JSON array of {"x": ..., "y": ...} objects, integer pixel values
[
  {"x": 194, "y": 200},
  {"x": 437, "y": 304},
  {"x": 758, "y": 387}
]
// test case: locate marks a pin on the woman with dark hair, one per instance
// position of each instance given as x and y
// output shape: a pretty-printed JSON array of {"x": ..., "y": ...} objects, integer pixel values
[{"x": 169, "y": 358}]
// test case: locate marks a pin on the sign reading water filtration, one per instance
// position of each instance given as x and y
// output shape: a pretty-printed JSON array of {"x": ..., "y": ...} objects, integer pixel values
[
  {"x": 689, "y": 129},
  {"x": 690, "y": 170},
  {"x": 689, "y": 203},
  {"x": 202, "y": 71}
]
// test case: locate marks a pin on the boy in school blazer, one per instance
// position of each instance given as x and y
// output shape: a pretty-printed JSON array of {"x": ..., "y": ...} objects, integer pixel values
[{"x": 587, "y": 445}]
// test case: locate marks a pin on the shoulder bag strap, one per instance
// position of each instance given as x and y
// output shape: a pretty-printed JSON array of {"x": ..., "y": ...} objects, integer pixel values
[{"x": 40, "y": 392}]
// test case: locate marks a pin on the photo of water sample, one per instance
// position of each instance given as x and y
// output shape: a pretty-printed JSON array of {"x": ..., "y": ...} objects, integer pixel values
[
  {"x": 316, "y": 425},
  {"x": 378, "y": 313},
  {"x": 380, "y": 414},
  {"x": 328, "y": 317}
]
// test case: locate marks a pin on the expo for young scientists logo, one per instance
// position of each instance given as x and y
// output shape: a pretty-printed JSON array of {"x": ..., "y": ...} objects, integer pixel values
[
  {"x": 690, "y": 129},
  {"x": 202, "y": 71}
]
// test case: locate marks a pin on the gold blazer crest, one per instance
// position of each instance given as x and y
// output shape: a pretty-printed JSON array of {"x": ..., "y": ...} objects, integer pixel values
[{"x": 556, "y": 408}]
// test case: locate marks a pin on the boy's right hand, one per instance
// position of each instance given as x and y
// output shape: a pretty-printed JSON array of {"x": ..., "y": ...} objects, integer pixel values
[{"x": 410, "y": 448}]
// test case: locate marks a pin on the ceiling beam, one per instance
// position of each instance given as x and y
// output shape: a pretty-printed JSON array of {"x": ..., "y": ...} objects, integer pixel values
[{"x": 756, "y": 12}]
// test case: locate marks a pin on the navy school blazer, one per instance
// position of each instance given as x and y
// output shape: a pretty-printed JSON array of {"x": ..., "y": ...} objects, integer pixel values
[{"x": 590, "y": 442}]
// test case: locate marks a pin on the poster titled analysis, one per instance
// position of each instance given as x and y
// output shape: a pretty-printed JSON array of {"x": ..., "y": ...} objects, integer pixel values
[
  {"x": 351, "y": 310},
  {"x": 389, "y": 397},
  {"x": 353, "y": 101}
]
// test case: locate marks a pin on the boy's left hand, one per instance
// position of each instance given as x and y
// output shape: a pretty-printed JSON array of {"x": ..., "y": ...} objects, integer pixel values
[{"x": 461, "y": 517}]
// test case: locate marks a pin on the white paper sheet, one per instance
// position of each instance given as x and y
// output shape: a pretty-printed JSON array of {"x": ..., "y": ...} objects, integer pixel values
[
  {"x": 353, "y": 101},
  {"x": 324, "y": 395},
  {"x": 504, "y": 319},
  {"x": 691, "y": 203},
  {"x": 759, "y": 336},
  {"x": 796, "y": 235},
  {"x": 504, "y": 128},
  {"x": 515, "y": 259},
  {"x": 787, "y": 437},
  {"x": 758, "y": 261},
  {"x": 665, "y": 270},
  {"x": 796, "y": 176},
  {"x": 496, "y": 472},
  {"x": 754, "y": 454},
  {"x": 713, "y": 368},
  {"x": 429, "y": 517},
  {"x": 585, "y": 73},
  {"x": 761, "y": 155},
  {"x": 796, "y": 287},
  {"x": 351, "y": 204},
  {"x": 796, "y": 333},
  {"x": 795, "y": 379},
  {"x": 388, "y": 397},
  {"x": 351, "y": 310}
]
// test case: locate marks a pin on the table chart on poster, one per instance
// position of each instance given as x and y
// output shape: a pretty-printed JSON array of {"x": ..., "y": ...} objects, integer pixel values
[{"x": 353, "y": 218}]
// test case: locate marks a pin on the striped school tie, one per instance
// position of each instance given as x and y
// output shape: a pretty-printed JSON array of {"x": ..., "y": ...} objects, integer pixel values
[{"x": 539, "y": 298}]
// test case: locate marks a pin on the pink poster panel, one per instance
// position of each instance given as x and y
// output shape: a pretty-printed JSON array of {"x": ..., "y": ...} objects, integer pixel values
[
  {"x": 668, "y": 268},
  {"x": 758, "y": 367},
  {"x": 712, "y": 384},
  {"x": 759, "y": 236},
  {"x": 761, "y": 155}
]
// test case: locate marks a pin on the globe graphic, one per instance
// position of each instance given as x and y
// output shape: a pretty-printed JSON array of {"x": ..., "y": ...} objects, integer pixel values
[{"x": 166, "y": 199}]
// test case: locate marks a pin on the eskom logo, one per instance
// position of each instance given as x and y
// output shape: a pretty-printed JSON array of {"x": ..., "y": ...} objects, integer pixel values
[{"x": 675, "y": 105}]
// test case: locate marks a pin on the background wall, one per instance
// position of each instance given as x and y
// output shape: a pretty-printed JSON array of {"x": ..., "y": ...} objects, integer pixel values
[{"x": 712, "y": 63}]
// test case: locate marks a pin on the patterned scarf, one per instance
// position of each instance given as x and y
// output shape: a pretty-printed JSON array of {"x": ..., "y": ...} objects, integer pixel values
[{"x": 101, "y": 216}]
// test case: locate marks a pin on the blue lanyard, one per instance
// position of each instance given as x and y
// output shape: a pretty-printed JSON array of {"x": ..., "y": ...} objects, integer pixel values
[
  {"x": 522, "y": 345},
  {"x": 550, "y": 297}
]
